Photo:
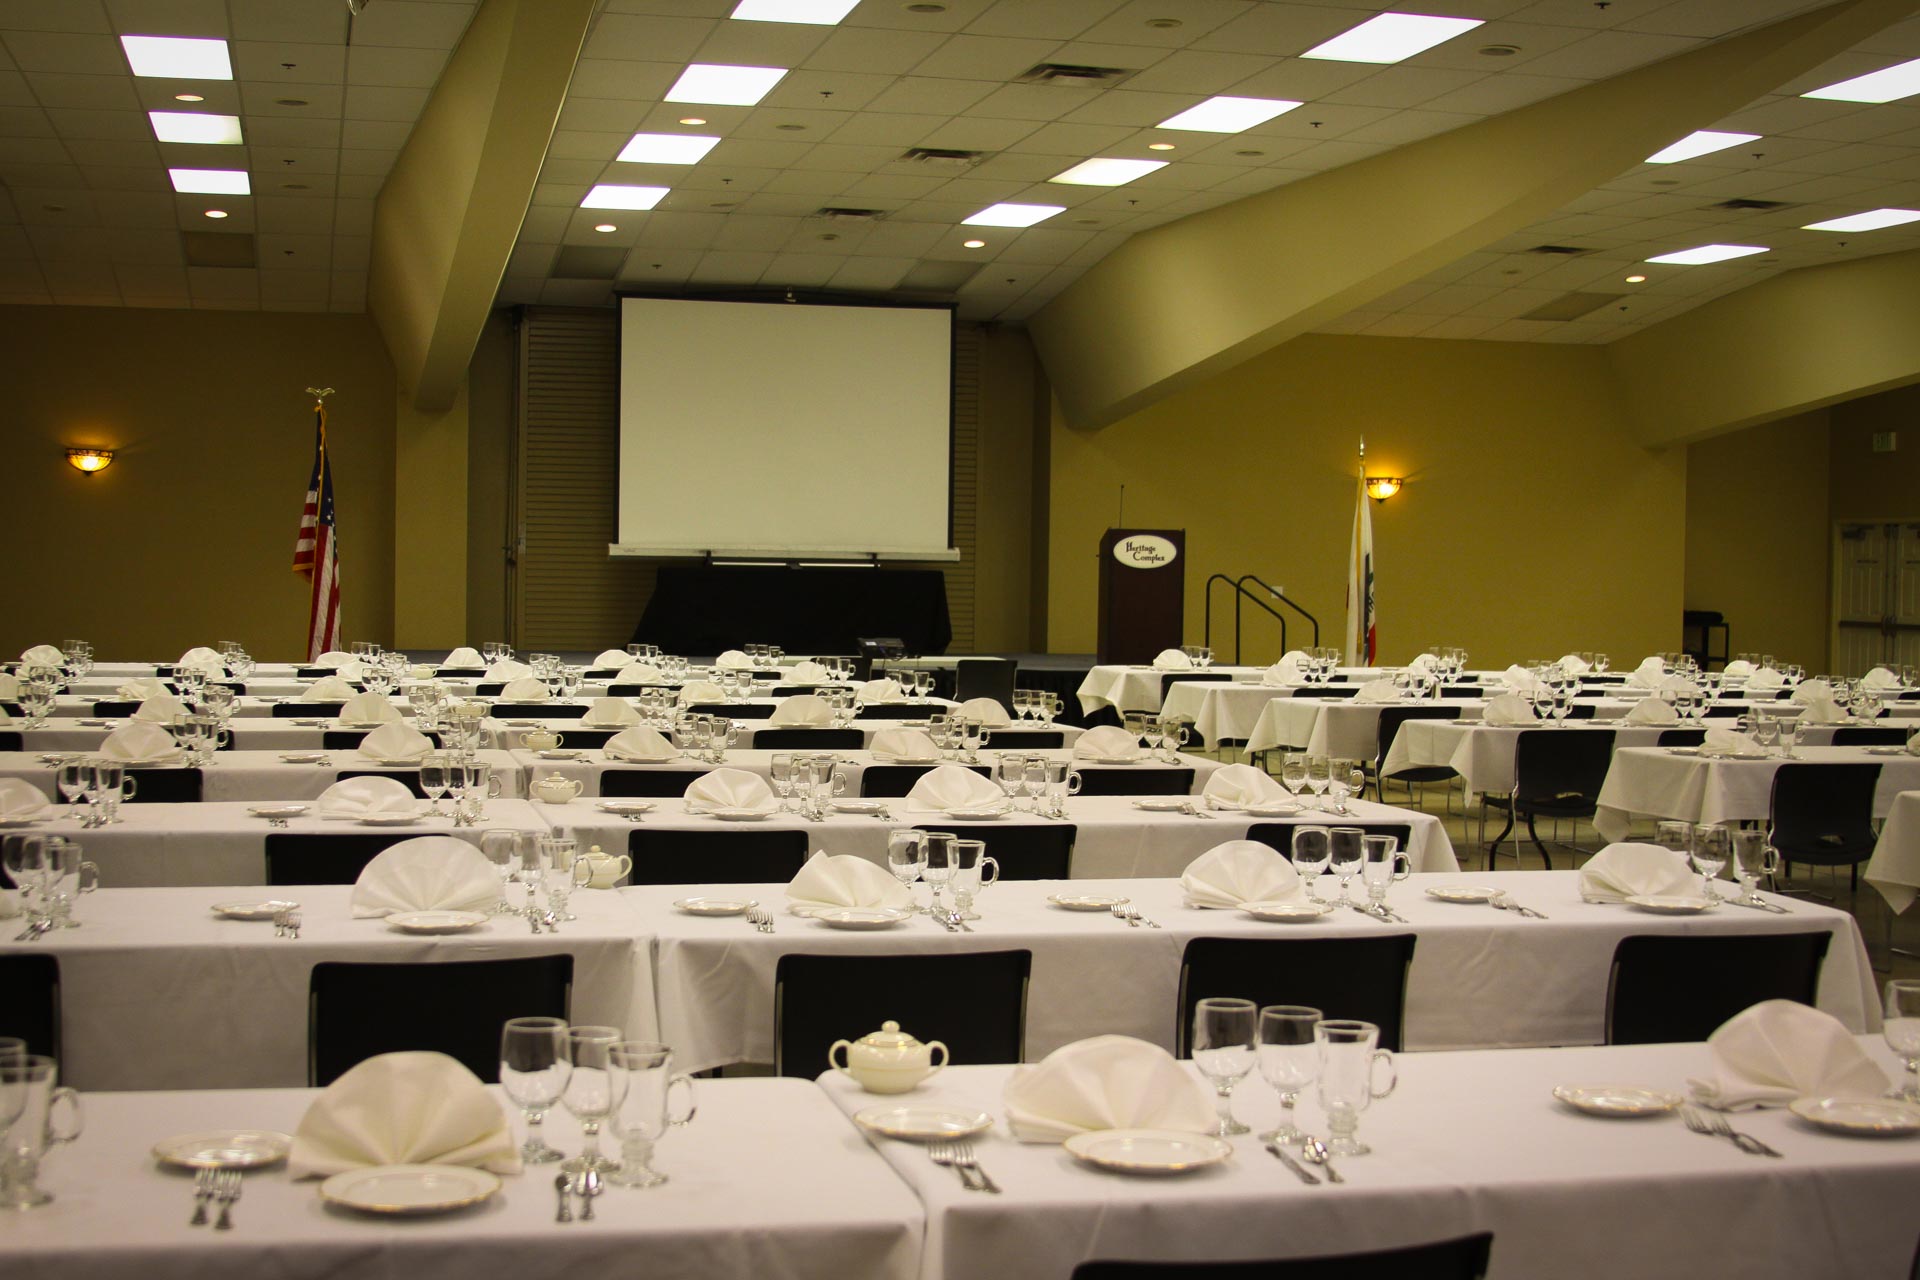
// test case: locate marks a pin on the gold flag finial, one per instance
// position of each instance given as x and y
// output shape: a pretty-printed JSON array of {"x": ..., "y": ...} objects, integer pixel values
[{"x": 320, "y": 393}]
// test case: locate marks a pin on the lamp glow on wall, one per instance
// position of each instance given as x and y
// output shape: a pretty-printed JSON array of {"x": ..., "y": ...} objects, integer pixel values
[
  {"x": 88, "y": 461},
  {"x": 1380, "y": 488}
]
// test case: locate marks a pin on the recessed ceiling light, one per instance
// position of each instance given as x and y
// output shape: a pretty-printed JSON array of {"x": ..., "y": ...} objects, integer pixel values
[
  {"x": 1701, "y": 142},
  {"x": 791, "y": 128},
  {"x": 289, "y": 102},
  {"x": 188, "y": 97},
  {"x": 973, "y": 244},
  {"x": 1870, "y": 221},
  {"x": 727, "y": 86},
  {"x": 177, "y": 58},
  {"x": 1159, "y": 146},
  {"x": 667, "y": 148},
  {"x": 1106, "y": 172},
  {"x": 1228, "y": 115},
  {"x": 610, "y": 195},
  {"x": 926, "y": 8},
  {"x": 1013, "y": 215},
  {"x": 1499, "y": 50},
  {"x": 195, "y": 126},
  {"x": 815, "y": 13},
  {"x": 216, "y": 213},
  {"x": 1889, "y": 85},
  {"x": 605, "y": 227},
  {"x": 693, "y": 119},
  {"x": 1708, "y": 253},
  {"x": 1636, "y": 279},
  {"x": 212, "y": 182},
  {"x": 1163, "y": 24},
  {"x": 1392, "y": 37}
]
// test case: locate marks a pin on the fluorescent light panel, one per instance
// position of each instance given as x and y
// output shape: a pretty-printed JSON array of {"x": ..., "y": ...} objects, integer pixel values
[
  {"x": 1701, "y": 142},
  {"x": 213, "y": 182},
  {"x": 1013, "y": 215},
  {"x": 1105, "y": 172},
  {"x": 1873, "y": 220},
  {"x": 1228, "y": 115},
  {"x": 1888, "y": 85},
  {"x": 667, "y": 148},
  {"x": 1706, "y": 253},
  {"x": 611, "y": 195},
  {"x": 194, "y": 126},
  {"x": 815, "y": 13},
  {"x": 723, "y": 85},
  {"x": 1392, "y": 37},
  {"x": 177, "y": 58}
]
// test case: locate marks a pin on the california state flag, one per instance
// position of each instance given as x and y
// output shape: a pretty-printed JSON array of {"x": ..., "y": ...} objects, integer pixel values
[{"x": 1360, "y": 635}]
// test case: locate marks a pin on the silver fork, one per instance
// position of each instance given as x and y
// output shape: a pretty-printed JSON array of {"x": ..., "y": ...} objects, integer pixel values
[
  {"x": 227, "y": 1191},
  {"x": 760, "y": 918},
  {"x": 1119, "y": 912},
  {"x": 1502, "y": 902},
  {"x": 942, "y": 1154},
  {"x": 964, "y": 1158},
  {"x": 202, "y": 1192},
  {"x": 1194, "y": 811},
  {"x": 1715, "y": 1125},
  {"x": 1133, "y": 915}
]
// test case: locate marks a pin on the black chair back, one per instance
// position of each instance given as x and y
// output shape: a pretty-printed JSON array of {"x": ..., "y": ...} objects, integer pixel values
[
  {"x": 892, "y": 781},
  {"x": 975, "y": 1002},
  {"x": 1172, "y": 678},
  {"x": 539, "y": 710},
  {"x": 633, "y": 690},
  {"x": 1028, "y": 739},
  {"x": 984, "y": 678},
  {"x": 165, "y": 786},
  {"x": 586, "y": 739},
  {"x": 1870, "y": 736},
  {"x": 1822, "y": 814},
  {"x": 408, "y": 778},
  {"x": 457, "y": 1007},
  {"x": 115, "y": 708},
  {"x": 1364, "y": 978},
  {"x": 1462, "y": 1259},
  {"x": 325, "y": 857},
  {"x": 895, "y": 711},
  {"x": 1723, "y": 712},
  {"x": 1651, "y": 1001},
  {"x": 1326, "y": 691},
  {"x": 1130, "y": 780},
  {"x": 1043, "y": 851},
  {"x": 733, "y": 710},
  {"x": 30, "y": 1001},
  {"x": 746, "y": 856},
  {"x": 648, "y": 784},
  {"x": 1681, "y": 737},
  {"x": 1391, "y": 718},
  {"x": 306, "y": 710},
  {"x": 12, "y": 741},
  {"x": 1557, "y": 774},
  {"x": 489, "y": 688},
  {"x": 801, "y": 739},
  {"x": 1462, "y": 691}
]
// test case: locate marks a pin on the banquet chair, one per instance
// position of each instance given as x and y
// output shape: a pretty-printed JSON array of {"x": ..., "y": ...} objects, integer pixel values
[
  {"x": 1653, "y": 997},
  {"x": 539, "y": 710},
  {"x": 13, "y": 709},
  {"x": 1135, "y": 782},
  {"x": 1028, "y": 739},
  {"x": 1040, "y": 852},
  {"x": 798, "y": 738},
  {"x": 12, "y": 742},
  {"x": 1463, "y": 691},
  {"x": 408, "y": 778},
  {"x": 648, "y": 784},
  {"x": 893, "y": 781},
  {"x": 602, "y": 673},
  {"x": 1876, "y": 736},
  {"x": 115, "y": 708},
  {"x": 306, "y": 673},
  {"x": 30, "y": 1001},
  {"x": 896, "y": 711},
  {"x": 1462, "y": 1259},
  {"x": 1326, "y": 691},
  {"x": 1822, "y": 815},
  {"x": 665, "y": 856},
  {"x": 308, "y": 857},
  {"x": 633, "y": 690},
  {"x": 489, "y": 688},
  {"x": 1556, "y": 774},
  {"x": 1681, "y": 737},
  {"x": 586, "y": 739},
  {"x": 1725, "y": 712},
  {"x": 165, "y": 786},
  {"x": 456, "y": 1007},
  {"x": 1279, "y": 835},
  {"x": 1364, "y": 978},
  {"x": 733, "y": 710},
  {"x": 305, "y": 710},
  {"x": 984, "y": 678},
  {"x": 458, "y": 673},
  {"x": 974, "y": 1002},
  {"x": 1391, "y": 718}
]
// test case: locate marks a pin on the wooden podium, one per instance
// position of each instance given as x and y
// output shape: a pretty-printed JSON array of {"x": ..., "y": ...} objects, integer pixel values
[{"x": 1143, "y": 578}]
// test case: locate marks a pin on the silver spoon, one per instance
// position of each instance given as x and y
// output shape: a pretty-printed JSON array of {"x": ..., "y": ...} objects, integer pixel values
[
  {"x": 1315, "y": 1152},
  {"x": 564, "y": 1185},
  {"x": 589, "y": 1188}
]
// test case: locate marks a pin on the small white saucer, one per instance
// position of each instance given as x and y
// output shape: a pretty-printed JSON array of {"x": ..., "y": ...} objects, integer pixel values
[{"x": 436, "y": 921}]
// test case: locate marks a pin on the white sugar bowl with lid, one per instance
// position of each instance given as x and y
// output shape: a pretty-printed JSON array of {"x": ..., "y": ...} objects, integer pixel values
[
  {"x": 554, "y": 789},
  {"x": 888, "y": 1060}
]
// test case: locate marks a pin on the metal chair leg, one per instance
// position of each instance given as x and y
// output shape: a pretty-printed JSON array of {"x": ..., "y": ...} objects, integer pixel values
[{"x": 1545, "y": 857}]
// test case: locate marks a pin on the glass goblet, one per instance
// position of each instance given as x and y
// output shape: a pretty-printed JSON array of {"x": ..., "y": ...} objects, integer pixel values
[
  {"x": 534, "y": 1067},
  {"x": 1223, "y": 1051},
  {"x": 593, "y": 1092},
  {"x": 1312, "y": 852},
  {"x": 1712, "y": 846},
  {"x": 907, "y": 857},
  {"x": 1902, "y": 1030},
  {"x": 1289, "y": 1060}
]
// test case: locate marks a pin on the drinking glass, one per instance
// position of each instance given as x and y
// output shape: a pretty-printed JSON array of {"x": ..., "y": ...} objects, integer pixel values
[
  {"x": 1788, "y": 730},
  {"x": 1312, "y": 852},
  {"x": 940, "y": 865},
  {"x": 780, "y": 769},
  {"x": 1902, "y": 1030},
  {"x": 502, "y": 848},
  {"x": 645, "y": 1113},
  {"x": 1677, "y": 836},
  {"x": 68, "y": 875},
  {"x": 907, "y": 857},
  {"x": 1009, "y": 771},
  {"x": 1033, "y": 779},
  {"x": 35, "y": 1131},
  {"x": 559, "y": 857},
  {"x": 923, "y": 685},
  {"x": 1347, "y": 847},
  {"x": 1134, "y": 723},
  {"x": 1023, "y": 704},
  {"x": 1063, "y": 780},
  {"x": 73, "y": 780},
  {"x": 1339, "y": 782},
  {"x": 478, "y": 785},
  {"x": 1173, "y": 736},
  {"x": 1382, "y": 864},
  {"x": 434, "y": 779},
  {"x": 1050, "y": 708},
  {"x": 1223, "y": 1052},
  {"x": 1753, "y": 860},
  {"x": 1319, "y": 777},
  {"x": 1349, "y": 1065},
  {"x": 534, "y": 1067},
  {"x": 28, "y": 863},
  {"x": 1289, "y": 1060},
  {"x": 1293, "y": 772},
  {"x": 593, "y": 1092},
  {"x": 1712, "y": 847},
  {"x": 1766, "y": 730},
  {"x": 973, "y": 871}
]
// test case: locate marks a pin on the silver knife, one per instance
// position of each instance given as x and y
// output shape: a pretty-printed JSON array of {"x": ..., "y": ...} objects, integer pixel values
[
  {"x": 1757, "y": 905},
  {"x": 1300, "y": 1171}
]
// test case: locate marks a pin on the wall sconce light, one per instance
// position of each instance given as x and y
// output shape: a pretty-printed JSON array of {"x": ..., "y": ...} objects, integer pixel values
[
  {"x": 1380, "y": 488},
  {"x": 89, "y": 460}
]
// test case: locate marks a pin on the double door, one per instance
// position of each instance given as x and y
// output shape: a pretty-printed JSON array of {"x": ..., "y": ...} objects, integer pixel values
[{"x": 1876, "y": 596}]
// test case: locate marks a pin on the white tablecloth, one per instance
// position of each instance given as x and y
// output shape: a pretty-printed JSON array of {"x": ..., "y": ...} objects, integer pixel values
[
  {"x": 1136, "y": 688},
  {"x": 1221, "y": 712},
  {"x": 1894, "y": 868},
  {"x": 1653, "y": 782},
  {"x": 1482, "y": 754},
  {"x": 263, "y": 775}
]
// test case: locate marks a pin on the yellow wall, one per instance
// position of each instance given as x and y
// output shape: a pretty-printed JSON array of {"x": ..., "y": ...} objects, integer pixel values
[
  {"x": 1533, "y": 523},
  {"x": 1003, "y": 528},
  {"x": 191, "y": 530},
  {"x": 1876, "y": 486}
]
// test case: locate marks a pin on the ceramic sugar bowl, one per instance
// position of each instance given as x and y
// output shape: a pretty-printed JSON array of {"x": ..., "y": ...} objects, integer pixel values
[
  {"x": 888, "y": 1060},
  {"x": 606, "y": 869},
  {"x": 541, "y": 739},
  {"x": 554, "y": 789}
]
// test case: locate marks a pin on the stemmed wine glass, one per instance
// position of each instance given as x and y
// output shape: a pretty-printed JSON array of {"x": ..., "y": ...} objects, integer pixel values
[
  {"x": 74, "y": 778},
  {"x": 1033, "y": 780},
  {"x": 907, "y": 857},
  {"x": 1902, "y": 1030},
  {"x": 1711, "y": 848},
  {"x": 780, "y": 769},
  {"x": 1293, "y": 773},
  {"x": 434, "y": 779},
  {"x": 1312, "y": 850},
  {"x": 1010, "y": 772},
  {"x": 593, "y": 1092},
  {"x": 534, "y": 1068},
  {"x": 941, "y": 863},
  {"x": 1223, "y": 1038},
  {"x": 1319, "y": 777},
  {"x": 1346, "y": 846},
  {"x": 502, "y": 848},
  {"x": 1289, "y": 1060}
]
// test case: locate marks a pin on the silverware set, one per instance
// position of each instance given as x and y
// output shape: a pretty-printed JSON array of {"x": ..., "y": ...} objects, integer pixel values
[
  {"x": 286, "y": 923},
  {"x": 1194, "y": 811},
  {"x": 1503, "y": 902},
  {"x": 1758, "y": 903},
  {"x": 951, "y": 921},
  {"x": 1121, "y": 911},
  {"x": 35, "y": 931},
  {"x": 585, "y": 1185},
  {"x": 1714, "y": 1125},
  {"x": 215, "y": 1186},
  {"x": 1300, "y": 1171},
  {"x": 1379, "y": 911},
  {"x": 959, "y": 1157},
  {"x": 760, "y": 918}
]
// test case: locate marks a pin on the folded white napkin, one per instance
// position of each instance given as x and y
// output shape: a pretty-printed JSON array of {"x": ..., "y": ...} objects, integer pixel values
[
  {"x": 395, "y": 741},
  {"x": 20, "y": 799},
  {"x": 733, "y": 660},
  {"x": 1652, "y": 711},
  {"x": 845, "y": 880},
  {"x": 508, "y": 669},
  {"x": 1240, "y": 871},
  {"x": 1822, "y": 709},
  {"x": 141, "y": 687},
  {"x": 524, "y": 689},
  {"x": 1738, "y": 667},
  {"x": 1518, "y": 677},
  {"x": 160, "y": 709},
  {"x": 334, "y": 659},
  {"x": 1282, "y": 673},
  {"x": 1807, "y": 690},
  {"x": 403, "y": 1108},
  {"x": 642, "y": 673},
  {"x": 640, "y": 745},
  {"x": 612, "y": 658},
  {"x": 358, "y": 797},
  {"x": 368, "y": 708},
  {"x": 1880, "y": 678},
  {"x": 1423, "y": 662},
  {"x": 609, "y": 713},
  {"x": 1172, "y": 660},
  {"x": 802, "y": 709},
  {"x": 140, "y": 743},
  {"x": 1779, "y": 1051},
  {"x": 10, "y": 687},
  {"x": 1107, "y": 1082},
  {"x": 701, "y": 691},
  {"x": 9, "y": 904},
  {"x": 327, "y": 689},
  {"x": 464, "y": 656},
  {"x": 1574, "y": 664},
  {"x": 201, "y": 656},
  {"x": 880, "y": 691},
  {"x": 1649, "y": 673},
  {"x": 1243, "y": 785},
  {"x": 987, "y": 711},
  {"x": 1108, "y": 742},
  {"x": 1765, "y": 678},
  {"x": 904, "y": 744},
  {"x": 951, "y": 787},
  {"x": 808, "y": 672},
  {"x": 1728, "y": 742},
  {"x": 730, "y": 789},
  {"x": 1377, "y": 691},
  {"x": 1628, "y": 870},
  {"x": 1509, "y": 709},
  {"x": 43, "y": 655},
  {"x": 1679, "y": 684},
  {"x": 426, "y": 873}
]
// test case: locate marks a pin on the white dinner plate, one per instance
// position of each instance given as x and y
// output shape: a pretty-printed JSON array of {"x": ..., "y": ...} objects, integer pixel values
[
  {"x": 977, "y": 815},
  {"x": 1150, "y": 1151},
  {"x": 625, "y": 806},
  {"x": 623, "y": 758},
  {"x": 1864, "y": 1114},
  {"x": 1112, "y": 760},
  {"x": 859, "y": 806},
  {"x": 1087, "y": 901},
  {"x": 740, "y": 815},
  {"x": 362, "y": 724},
  {"x": 252, "y": 910},
  {"x": 1272, "y": 810},
  {"x": 1683, "y": 751},
  {"x": 29, "y": 820},
  {"x": 277, "y": 810},
  {"x": 165, "y": 761},
  {"x": 302, "y": 757},
  {"x": 389, "y": 819},
  {"x": 1672, "y": 904},
  {"x": 409, "y": 1188},
  {"x": 714, "y": 906},
  {"x": 1288, "y": 912},
  {"x": 862, "y": 917},
  {"x": 1617, "y": 1101},
  {"x": 1887, "y": 751},
  {"x": 1172, "y": 804},
  {"x": 890, "y": 759},
  {"x": 923, "y": 1124},
  {"x": 394, "y": 762},
  {"x": 224, "y": 1149},
  {"x": 1462, "y": 893},
  {"x": 436, "y": 921},
  {"x": 559, "y": 753}
]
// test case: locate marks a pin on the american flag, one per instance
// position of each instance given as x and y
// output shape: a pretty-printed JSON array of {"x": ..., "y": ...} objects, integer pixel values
[
  {"x": 1362, "y": 646},
  {"x": 316, "y": 552}
]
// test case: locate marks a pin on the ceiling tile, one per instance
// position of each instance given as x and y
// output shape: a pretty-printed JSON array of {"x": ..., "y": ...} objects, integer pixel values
[
  {"x": 1195, "y": 72},
  {"x": 626, "y": 81},
  {"x": 875, "y": 51},
  {"x": 66, "y": 15},
  {"x": 413, "y": 23},
  {"x": 759, "y": 44},
  {"x": 1608, "y": 53},
  {"x": 99, "y": 93},
  {"x": 394, "y": 67},
  {"x": 635, "y": 38},
  {"x": 66, "y": 53},
  {"x": 971, "y": 57},
  {"x": 365, "y": 102},
  {"x": 267, "y": 63},
  {"x": 1059, "y": 19}
]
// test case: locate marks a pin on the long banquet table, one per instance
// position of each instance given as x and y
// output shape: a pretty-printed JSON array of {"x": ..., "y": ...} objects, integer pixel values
[
  {"x": 263, "y": 775},
  {"x": 1894, "y": 868},
  {"x": 1656, "y": 782}
]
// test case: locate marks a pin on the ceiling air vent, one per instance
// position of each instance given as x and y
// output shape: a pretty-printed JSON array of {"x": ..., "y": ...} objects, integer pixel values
[
  {"x": 1751, "y": 206},
  {"x": 850, "y": 215},
  {"x": 1559, "y": 250},
  {"x": 944, "y": 158},
  {"x": 1068, "y": 73}
]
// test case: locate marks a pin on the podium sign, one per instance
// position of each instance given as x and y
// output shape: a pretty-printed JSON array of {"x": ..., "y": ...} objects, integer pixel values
[{"x": 1143, "y": 578}]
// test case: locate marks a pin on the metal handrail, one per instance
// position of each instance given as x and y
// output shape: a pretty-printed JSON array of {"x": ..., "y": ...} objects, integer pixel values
[
  {"x": 1240, "y": 591},
  {"x": 1291, "y": 604}
]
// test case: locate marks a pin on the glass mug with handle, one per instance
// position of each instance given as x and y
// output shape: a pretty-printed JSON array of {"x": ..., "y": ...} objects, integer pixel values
[
  {"x": 111, "y": 784},
  {"x": 34, "y": 1080},
  {"x": 646, "y": 1112},
  {"x": 1350, "y": 1064},
  {"x": 68, "y": 875},
  {"x": 1754, "y": 860},
  {"x": 1382, "y": 863},
  {"x": 973, "y": 871},
  {"x": 1063, "y": 780}
]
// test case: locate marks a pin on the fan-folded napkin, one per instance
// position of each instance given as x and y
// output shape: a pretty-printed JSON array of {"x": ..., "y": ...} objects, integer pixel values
[
  {"x": 613, "y": 658},
  {"x": 609, "y": 713},
  {"x": 1880, "y": 678},
  {"x": 1243, "y": 785},
  {"x": 881, "y": 691},
  {"x": 368, "y": 708},
  {"x": 642, "y": 673},
  {"x": 641, "y": 745},
  {"x": 1679, "y": 685},
  {"x": 20, "y": 799},
  {"x": 161, "y": 708},
  {"x": 904, "y": 744},
  {"x": 730, "y": 789},
  {"x": 1107, "y": 1082},
  {"x": 1807, "y": 690},
  {"x": 403, "y": 1108},
  {"x": 43, "y": 655},
  {"x": 1738, "y": 667},
  {"x": 524, "y": 689},
  {"x": 951, "y": 787},
  {"x": 464, "y": 656},
  {"x": 1765, "y": 678},
  {"x": 1108, "y": 742},
  {"x": 358, "y": 797},
  {"x": 395, "y": 742},
  {"x": 1171, "y": 660},
  {"x": 426, "y": 873},
  {"x": 1574, "y": 664},
  {"x": 334, "y": 659},
  {"x": 508, "y": 669},
  {"x": 986, "y": 711},
  {"x": 845, "y": 880},
  {"x": 1652, "y": 711},
  {"x": 1509, "y": 709},
  {"x": 803, "y": 709},
  {"x": 1377, "y": 691},
  {"x": 143, "y": 687},
  {"x": 1780, "y": 1050},
  {"x": 1237, "y": 872},
  {"x": 1423, "y": 662},
  {"x": 1823, "y": 710},
  {"x": 733, "y": 660},
  {"x": 1628, "y": 870},
  {"x": 701, "y": 691},
  {"x": 1728, "y": 742},
  {"x": 327, "y": 689},
  {"x": 201, "y": 656},
  {"x": 808, "y": 672},
  {"x": 139, "y": 743},
  {"x": 1649, "y": 673}
]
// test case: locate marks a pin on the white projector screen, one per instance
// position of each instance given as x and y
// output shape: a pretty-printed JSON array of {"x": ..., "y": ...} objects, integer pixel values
[{"x": 784, "y": 430}]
